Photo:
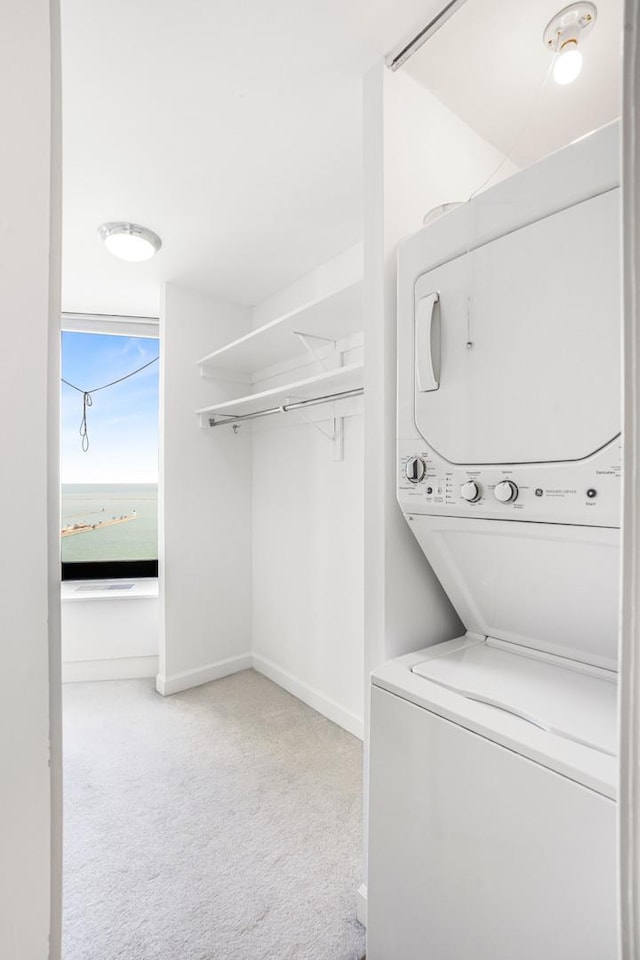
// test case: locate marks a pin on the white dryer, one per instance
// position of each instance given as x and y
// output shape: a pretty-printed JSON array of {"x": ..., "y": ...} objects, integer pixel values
[{"x": 493, "y": 756}]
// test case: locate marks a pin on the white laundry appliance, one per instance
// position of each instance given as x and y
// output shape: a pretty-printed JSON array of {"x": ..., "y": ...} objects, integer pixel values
[{"x": 493, "y": 755}]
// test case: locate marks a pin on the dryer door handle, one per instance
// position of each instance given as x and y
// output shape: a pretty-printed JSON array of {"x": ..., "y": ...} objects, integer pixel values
[{"x": 427, "y": 343}]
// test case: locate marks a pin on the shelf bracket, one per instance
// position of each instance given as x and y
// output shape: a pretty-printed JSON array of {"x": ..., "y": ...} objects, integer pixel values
[
  {"x": 335, "y": 434},
  {"x": 305, "y": 340}
]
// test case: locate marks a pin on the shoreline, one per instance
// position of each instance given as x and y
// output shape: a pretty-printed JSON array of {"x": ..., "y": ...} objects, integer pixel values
[{"x": 88, "y": 527}]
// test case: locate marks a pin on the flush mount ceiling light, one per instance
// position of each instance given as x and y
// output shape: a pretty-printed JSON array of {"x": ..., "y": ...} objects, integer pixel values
[
  {"x": 129, "y": 241},
  {"x": 562, "y": 36}
]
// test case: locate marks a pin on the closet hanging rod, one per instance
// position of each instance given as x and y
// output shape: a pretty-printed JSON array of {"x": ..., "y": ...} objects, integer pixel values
[
  {"x": 404, "y": 51},
  {"x": 285, "y": 407}
]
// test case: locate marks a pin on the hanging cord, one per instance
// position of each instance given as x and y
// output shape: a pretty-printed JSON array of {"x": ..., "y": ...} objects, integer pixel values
[
  {"x": 84, "y": 433},
  {"x": 506, "y": 156},
  {"x": 87, "y": 399},
  {"x": 523, "y": 129}
]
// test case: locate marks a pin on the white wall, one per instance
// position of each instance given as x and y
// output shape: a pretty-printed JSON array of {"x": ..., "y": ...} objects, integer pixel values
[
  {"x": 107, "y": 636},
  {"x": 307, "y": 532},
  {"x": 204, "y": 502},
  {"x": 417, "y": 155},
  {"x": 29, "y": 570},
  {"x": 327, "y": 278},
  {"x": 307, "y": 566}
]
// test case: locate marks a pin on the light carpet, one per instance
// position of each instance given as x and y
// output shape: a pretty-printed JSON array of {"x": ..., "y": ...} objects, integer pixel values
[{"x": 223, "y": 823}]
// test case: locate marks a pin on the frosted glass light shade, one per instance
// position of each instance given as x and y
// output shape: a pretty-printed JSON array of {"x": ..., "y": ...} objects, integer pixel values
[
  {"x": 129, "y": 241},
  {"x": 567, "y": 66}
]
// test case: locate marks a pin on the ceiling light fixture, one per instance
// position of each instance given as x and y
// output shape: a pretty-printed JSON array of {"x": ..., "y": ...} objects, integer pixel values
[
  {"x": 129, "y": 241},
  {"x": 562, "y": 36}
]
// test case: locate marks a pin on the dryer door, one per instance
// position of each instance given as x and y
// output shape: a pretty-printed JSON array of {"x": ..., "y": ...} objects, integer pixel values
[{"x": 517, "y": 343}]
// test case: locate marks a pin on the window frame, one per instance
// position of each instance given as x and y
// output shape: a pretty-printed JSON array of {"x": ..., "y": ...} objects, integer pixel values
[{"x": 117, "y": 326}]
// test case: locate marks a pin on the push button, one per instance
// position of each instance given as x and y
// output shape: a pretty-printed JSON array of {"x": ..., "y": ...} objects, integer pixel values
[{"x": 591, "y": 493}]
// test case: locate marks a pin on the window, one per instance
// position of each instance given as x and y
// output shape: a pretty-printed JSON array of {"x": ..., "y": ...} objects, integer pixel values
[{"x": 109, "y": 449}]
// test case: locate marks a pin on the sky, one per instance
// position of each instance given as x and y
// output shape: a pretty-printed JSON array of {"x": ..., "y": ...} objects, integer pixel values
[{"x": 123, "y": 421}]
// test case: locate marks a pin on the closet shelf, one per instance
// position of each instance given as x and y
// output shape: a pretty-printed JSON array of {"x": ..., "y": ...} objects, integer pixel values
[
  {"x": 330, "y": 317},
  {"x": 323, "y": 384}
]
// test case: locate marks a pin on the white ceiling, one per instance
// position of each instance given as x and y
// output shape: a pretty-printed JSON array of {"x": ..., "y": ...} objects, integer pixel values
[
  {"x": 489, "y": 65},
  {"x": 234, "y": 129}
]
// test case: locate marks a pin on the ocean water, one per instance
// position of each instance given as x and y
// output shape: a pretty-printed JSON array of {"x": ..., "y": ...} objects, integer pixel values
[{"x": 89, "y": 503}]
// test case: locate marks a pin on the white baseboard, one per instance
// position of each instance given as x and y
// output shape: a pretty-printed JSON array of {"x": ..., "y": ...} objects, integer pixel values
[
  {"x": 313, "y": 698},
  {"x": 195, "y": 678},
  {"x": 361, "y": 904},
  {"x": 167, "y": 685},
  {"x": 120, "y": 668},
  {"x": 135, "y": 668}
]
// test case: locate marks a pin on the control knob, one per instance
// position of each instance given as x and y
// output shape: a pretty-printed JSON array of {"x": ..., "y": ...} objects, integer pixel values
[
  {"x": 470, "y": 491},
  {"x": 415, "y": 469},
  {"x": 506, "y": 491}
]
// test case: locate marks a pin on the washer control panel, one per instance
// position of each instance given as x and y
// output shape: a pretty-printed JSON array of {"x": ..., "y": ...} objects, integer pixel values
[{"x": 583, "y": 492}]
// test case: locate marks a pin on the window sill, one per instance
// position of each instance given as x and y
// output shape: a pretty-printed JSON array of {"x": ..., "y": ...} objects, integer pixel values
[{"x": 128, "y": 589}]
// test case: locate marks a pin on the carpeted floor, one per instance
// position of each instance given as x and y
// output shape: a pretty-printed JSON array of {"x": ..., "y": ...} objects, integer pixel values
[{"x": 223, "y": 823}]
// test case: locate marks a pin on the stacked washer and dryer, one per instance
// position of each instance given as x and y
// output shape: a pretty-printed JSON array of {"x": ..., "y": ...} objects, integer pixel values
[{"x": 493, "y": 764}]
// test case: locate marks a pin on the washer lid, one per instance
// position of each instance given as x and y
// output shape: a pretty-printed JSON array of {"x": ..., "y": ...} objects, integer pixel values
[
  {"x": 517, "y": 343},
  {"x": 552, "y": 587},
  {"x": 572, "y": 701}
]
